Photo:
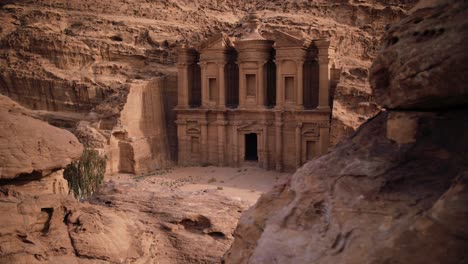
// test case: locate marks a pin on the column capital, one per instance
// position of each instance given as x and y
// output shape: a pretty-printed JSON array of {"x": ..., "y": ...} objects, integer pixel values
[
  {"x": 276, "y": 61},
  {"x": 324, "y": 59},
  {"x": 323, "y": 43},
  {"x": 221, "y": 122}
]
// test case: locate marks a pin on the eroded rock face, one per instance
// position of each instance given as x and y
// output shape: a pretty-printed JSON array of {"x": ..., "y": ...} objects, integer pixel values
[
  {"x": 171, "y": 227},
  {"x": 31, "y": 146},
  {"x": 422, "y": 64},
  {"x": 70, "y": 56},
  {"x": 123, "y": 223},
  {"x": 120, "y": 224},
  {"x": 350, "y": 205},
  {"x": 394, "y": 192}
]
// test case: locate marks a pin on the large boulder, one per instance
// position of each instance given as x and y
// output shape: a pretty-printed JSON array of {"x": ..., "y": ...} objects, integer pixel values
[
  {"x": 367, "y": 198},
  {"x": 422, "y": 64},
  {"x": 31, "y": 146}
]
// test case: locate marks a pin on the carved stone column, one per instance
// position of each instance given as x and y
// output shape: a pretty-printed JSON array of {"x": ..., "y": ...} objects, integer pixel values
[
  {"x": 182, "y": 85},
  {"x": 261, "y": 84},
  {"x": 183, "y": 142},
  {"x": 185, "y": 58},
  {"x": 300, "y": 84},
  {"x": 204, "y": 85},
  {"x": 265, "y": 146},
  {"x": 279, "y": 85},
  {"x": 235, "y": 147},
  {"x": 279, "y": 141},
  {"x": 221, "y": 122},
  {"x": 204, "y": 141},
  {"x": 324, "y": 138},
  {"x": 222, "y": 85},
  {"x": 324, "y": 58},
  {"x": 242, "y": 91},
  {"x": 298, "y": 145}
]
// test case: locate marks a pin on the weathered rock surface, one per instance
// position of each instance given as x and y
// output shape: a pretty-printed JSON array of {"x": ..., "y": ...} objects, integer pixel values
[
  {"x": 31, "y": 146},
  {"x": 123, "y": 223},
  {"x": 174, "y": 227},
  {"x": 70, "y": 56},
  {"x": 353, "y": 204},
  {"x": 394, "y": 192},
  {"x": 409, "y": 74}
]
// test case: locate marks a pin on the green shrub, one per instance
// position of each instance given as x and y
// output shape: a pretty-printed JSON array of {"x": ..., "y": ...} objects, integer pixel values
[{"x": 86, "y": 174}]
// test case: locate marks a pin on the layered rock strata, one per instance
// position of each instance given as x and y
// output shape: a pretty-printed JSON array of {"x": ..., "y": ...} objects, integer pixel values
[
  {"x": 73, "y": 57},
  {"x": 122, "y": 223},
  {"x": 141, "y": 136},
  {"x": 395, "y": 191},
  {"x": 29, "y": 146}
]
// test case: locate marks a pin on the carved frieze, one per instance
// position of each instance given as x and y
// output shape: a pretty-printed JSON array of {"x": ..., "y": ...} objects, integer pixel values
[
  {"x": 311, "y": 130},
  {"x": 250, "y": 126},
  {"x": 192, "y": 127}
]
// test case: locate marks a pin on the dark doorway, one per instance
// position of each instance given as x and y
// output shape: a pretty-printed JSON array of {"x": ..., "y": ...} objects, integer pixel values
[{"x": 251, "y": 147}]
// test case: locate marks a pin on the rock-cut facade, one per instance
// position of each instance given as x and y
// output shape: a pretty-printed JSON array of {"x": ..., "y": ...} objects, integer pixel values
[{"x": 254, "y": 99}]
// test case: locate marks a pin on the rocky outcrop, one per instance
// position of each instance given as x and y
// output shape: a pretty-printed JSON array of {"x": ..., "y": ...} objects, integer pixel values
[
  {"x": 32, "y": 157},
  {"x": 70, "y": 56},
  {"x": 143, "y": 138},
  {"x": 409, "y": 78},
  {"x": 122, "y": 223},
  {"x": 139, "y": 136},
  {"x": 29, "y": 146},
  {"x": 394, "y": 192},
  {"x": 168, "y": 226}
]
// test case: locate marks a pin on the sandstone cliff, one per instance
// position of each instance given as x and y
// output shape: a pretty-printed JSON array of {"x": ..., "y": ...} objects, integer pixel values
[
  {"x": 123, "y": 223},
  {"x": 29, "y": 146},
  {"x": 397, "y": 190},
  {"x": 79, "y": 61}
]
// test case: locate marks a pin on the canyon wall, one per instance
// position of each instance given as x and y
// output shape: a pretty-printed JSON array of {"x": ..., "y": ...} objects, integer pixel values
[
  {"x": 122, "y": 223},
  {"x": 76, "y": 61},
  {"x": 396, "y": 191}
]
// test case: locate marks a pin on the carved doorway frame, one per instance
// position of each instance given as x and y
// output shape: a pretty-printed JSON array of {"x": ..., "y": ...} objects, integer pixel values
[{"x": 251, "y": 128}]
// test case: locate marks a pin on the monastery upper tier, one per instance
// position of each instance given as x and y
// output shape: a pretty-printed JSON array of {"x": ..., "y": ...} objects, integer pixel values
[{"x": 254, "y": 100}]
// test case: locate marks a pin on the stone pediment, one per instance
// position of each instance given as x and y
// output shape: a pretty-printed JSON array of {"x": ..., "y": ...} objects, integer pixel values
[
  {"x": 250, "y": 126},
  {"x": 216, "y": 42},
  {"x": 283, "y": 39},
  {"x": 193, "y": 131}
]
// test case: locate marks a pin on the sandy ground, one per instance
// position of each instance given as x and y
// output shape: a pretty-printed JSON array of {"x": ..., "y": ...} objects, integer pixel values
[{"x": 246, "y": 183}]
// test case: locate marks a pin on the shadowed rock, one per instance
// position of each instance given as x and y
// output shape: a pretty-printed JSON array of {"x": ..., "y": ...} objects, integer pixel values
[
  {"x": 29, "y": 146},
  {"x": 396, "y": 191},
  {"x": 422, "y": 64}
]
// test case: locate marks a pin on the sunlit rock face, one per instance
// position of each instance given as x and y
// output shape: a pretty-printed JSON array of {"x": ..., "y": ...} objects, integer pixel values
[
  {"x": 29, "y": 146},
  {"x": 123, "y": 223},
  {"x": 423, "y": 61},
  {"x": 395, "y": 191},
  {"x": 76, "y": 61}
]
